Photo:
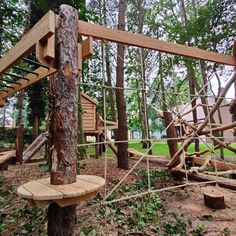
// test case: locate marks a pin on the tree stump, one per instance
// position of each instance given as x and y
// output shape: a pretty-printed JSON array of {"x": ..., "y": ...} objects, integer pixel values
[{"x": 213, "y": 198}]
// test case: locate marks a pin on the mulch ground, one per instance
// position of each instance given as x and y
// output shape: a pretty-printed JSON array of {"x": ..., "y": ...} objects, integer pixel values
[{"x": 188, "y": 200}]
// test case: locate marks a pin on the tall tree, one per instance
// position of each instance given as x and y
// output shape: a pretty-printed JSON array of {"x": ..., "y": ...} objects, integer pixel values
[
  {"x": 122, "y": 133},
  {"x": 190, "y": 70}
]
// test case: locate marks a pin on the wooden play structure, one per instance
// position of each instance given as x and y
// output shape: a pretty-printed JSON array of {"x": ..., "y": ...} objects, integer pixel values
[
  {"x": 54, "y": 55},
  {"x": 34, "y": 147},
  {"x": 5, "y": 158},
  {"x": 93, "y": 125}
]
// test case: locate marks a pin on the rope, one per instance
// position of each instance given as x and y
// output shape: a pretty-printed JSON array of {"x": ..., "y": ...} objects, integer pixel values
[{"x": 177, "y": 115}]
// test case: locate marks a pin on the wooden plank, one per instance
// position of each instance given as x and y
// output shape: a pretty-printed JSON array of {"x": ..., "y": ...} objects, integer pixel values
[
  {"x": 42, "y": 73},
  {"x": 22, "y": 192},
  {"x": 118, "y": 36},
  {"x": 87, "y": 48},
  {"x": 41, "y": 31},
  {"x": 69, "y": 190},
  {"x": 45, "y": 52},
  {"x": 91, "y": 178},
  {"x": 49, "y": 50},
  {"x": 89, "y": 187},
  {"x": 75, "y": 200},
  {"x": 42, "y": 192}
]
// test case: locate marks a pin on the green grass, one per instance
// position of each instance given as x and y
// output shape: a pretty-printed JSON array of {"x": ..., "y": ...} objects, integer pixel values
[{"x": 161, "y": 149}]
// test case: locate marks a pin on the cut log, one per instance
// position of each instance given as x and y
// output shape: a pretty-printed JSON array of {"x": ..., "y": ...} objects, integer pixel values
[{"x": 213, "y": 198}]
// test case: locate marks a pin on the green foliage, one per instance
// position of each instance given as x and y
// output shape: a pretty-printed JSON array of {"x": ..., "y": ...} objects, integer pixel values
[
  {"x": 176, "y": 226},
  {"x": 21, "y": 220},
  {"x": 199, "y": 231},
  {"x": 206, "y": 218},
  {"x": 9, "y": 136}
]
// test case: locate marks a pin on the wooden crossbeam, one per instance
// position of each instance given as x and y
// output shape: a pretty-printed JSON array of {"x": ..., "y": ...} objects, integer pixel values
[
  {"x": 42, "y": 73},
  {"x": 118, "y": 36},
  {"x": 41, "y": 31}
]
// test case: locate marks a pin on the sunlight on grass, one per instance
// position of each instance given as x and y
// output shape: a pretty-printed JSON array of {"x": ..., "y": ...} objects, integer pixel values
[{"x": 161, "y": 149}]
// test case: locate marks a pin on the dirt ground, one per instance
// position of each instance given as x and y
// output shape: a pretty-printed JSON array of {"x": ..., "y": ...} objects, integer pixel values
[{"x": 188, "y": 200}]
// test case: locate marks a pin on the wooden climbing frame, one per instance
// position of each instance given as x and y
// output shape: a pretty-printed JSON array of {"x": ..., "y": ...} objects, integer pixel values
[{"x": 41, "y": 38}]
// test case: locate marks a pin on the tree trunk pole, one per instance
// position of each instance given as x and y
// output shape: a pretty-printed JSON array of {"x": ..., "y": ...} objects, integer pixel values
[
  {"x": 171, "y": 133},
  {"x": 122, "y": 132},
  {"x": 61, "y": 221}
]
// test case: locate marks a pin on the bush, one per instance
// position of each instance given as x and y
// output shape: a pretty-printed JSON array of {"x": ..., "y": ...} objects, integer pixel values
[{"x": 9, "y": 135}]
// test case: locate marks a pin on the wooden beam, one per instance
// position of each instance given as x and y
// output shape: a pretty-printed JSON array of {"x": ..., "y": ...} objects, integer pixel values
[
  {"x": 87, "y": 48},
  {"x": 118, "y": 36},
  {"x": 42, "y": 73},
  {"x": 41, "y": 31}
]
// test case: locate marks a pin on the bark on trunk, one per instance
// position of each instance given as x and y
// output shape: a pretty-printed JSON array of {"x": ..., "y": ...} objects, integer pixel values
[
  {"x": 36, "y": 126},
  {"x": 109, "y": 73},
  {"x": 122, "y": 133},
  {"x": 61, "y": 221},
  {"x": 19, "y": 143},
  {"x": 20, "y": 129},
  {"x": 171, "y": 133},
  {"x": 192, "y": 85}
]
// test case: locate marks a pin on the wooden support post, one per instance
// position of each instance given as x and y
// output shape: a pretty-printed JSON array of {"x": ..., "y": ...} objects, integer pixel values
[
  {"x": 97, "y": 147},
  {"x": 61, "y": 221},
  {"x": 19, "y": 143}
]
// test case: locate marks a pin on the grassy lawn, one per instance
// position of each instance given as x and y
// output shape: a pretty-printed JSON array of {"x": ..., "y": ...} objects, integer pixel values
[{"x": 161, "y": 149}]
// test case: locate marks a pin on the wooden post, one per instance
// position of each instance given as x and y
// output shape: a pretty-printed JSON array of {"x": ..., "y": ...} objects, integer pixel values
[
  {"x": 61, "y": 221},
  {"x": 19, "y": 143}
]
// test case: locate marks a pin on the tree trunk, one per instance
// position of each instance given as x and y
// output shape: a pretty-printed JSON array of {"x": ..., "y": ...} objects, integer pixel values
[
  {"x": 61, "y": 221},
  {"x": 122, "y": 133},
  {"x": 191, "y": 80},
  {"x": 36, "y": 126},
  {"x": 19, "y": 143},
  {"x": 109, "y": 73},
  {"x": 20, "y": 129},
  {"x": 171, "y": 133}
]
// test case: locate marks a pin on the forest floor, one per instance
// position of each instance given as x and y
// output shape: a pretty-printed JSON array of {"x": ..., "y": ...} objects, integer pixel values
[{"x": 173, "y": 212}]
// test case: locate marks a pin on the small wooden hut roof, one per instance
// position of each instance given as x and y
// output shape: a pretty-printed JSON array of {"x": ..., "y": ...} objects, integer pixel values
[{"x": 86, "y": 96}]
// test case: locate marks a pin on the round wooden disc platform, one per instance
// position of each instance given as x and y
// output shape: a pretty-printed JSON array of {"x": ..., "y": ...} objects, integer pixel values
[{"x": 41, "y": 192}]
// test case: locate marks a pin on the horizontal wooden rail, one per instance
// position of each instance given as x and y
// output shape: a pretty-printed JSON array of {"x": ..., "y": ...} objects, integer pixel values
[
  {"x": 41, "y": 31},
  {"x": 42, "y": 73},
  {"x": 118, "y": 36}
]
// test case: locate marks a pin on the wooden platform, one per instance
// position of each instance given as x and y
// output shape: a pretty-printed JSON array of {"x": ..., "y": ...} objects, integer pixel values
[
  {"x": 5, "y": 157},
  {"x": 41, "y": 192}
]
